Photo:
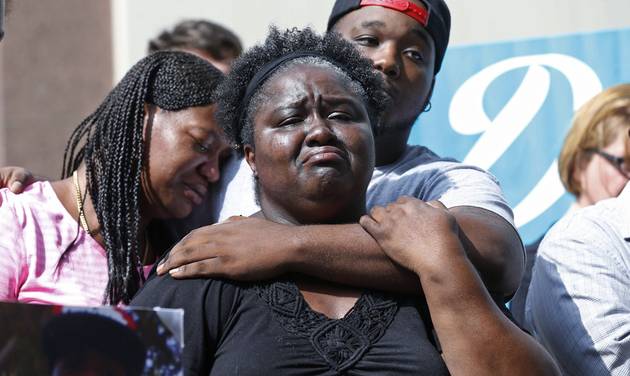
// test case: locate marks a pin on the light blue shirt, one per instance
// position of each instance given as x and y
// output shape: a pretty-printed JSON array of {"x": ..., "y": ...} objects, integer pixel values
[{"x": 578, "y": 305}]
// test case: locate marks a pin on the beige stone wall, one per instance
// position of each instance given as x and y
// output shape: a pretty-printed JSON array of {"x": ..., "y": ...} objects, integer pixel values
[{"x": 56, "y": 68}]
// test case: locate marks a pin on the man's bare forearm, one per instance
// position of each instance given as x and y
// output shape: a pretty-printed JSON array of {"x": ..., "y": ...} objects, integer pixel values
[
  {"x": 255, "y": 248},
  {"x": 347, "y": 254}
]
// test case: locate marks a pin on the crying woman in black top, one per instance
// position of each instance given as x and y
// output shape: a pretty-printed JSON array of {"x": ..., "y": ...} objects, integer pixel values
[{"x": 303, "y": 108}]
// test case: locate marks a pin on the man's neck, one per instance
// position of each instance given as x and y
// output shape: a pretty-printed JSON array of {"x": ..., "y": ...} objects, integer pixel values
[{"x": 390, "y": 145}]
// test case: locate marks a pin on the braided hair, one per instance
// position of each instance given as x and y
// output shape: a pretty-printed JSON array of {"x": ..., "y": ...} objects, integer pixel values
[
  {"x": 110, "y": 143},
  {"x": 330, "y": 49}
]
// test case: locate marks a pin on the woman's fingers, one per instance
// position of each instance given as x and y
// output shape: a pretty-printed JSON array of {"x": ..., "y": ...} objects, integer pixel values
[{"x": 369, "y": 224}]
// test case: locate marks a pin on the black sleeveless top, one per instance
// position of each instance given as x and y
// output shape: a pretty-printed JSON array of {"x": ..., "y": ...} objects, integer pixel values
[{"x": 269, "y": 329}]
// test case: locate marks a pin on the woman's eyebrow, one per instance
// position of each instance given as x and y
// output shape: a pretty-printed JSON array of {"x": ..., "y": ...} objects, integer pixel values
[
  {"x": 291, "y": 103},
  {"x": 340, "y": 100}
]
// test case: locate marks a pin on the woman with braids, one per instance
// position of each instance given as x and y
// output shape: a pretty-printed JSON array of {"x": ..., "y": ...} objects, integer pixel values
[
  {"x": 303, "y": 108},
  {"x": 147, "y": 152}
]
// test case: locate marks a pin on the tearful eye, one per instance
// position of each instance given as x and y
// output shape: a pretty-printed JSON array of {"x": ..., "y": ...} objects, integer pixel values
[
  {"x": 342, "y": 116},
  {"x": 290, "y": 121}
]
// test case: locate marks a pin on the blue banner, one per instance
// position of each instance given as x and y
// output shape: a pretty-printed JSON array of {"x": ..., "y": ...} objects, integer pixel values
[{"x": 506, "y": 107}]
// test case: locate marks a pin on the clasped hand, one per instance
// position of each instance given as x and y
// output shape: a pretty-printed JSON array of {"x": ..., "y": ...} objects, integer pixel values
[
  {"x": 241, "y": 248},
  {"x": 415, "y": 234}
]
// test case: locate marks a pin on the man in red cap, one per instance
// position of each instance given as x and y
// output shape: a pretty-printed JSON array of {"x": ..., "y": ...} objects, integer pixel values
[{"x": 406, "y": 40}]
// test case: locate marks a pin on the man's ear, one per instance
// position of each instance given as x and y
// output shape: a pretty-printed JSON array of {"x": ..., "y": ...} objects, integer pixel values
[
  {"x": 427, "y": 102},
  {"x": 581, "y": 163},
  {"x": 250, "y": 158}
]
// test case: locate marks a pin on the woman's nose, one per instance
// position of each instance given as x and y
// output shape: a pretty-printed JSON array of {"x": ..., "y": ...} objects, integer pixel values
[
  {"x": 210, "y": 169},
  {"x": 319, "y": 133}
]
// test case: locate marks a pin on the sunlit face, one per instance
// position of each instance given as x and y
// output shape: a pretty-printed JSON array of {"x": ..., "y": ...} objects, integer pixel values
[
  {"x": 402, "y": 50},
  {"x": 184, "y": 153},
  {"x": 313, "y": 151},
  {"x": 599, "y": 178}
]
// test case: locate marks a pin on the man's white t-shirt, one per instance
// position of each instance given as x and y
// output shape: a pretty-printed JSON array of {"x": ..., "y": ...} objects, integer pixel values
[{"x": 418, "y": 173}]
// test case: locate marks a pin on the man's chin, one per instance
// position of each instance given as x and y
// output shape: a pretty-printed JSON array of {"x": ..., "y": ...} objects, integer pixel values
[
  {"x": 392, "y": 129},
  {"x": 179, "y": 211},
  {"x": 394, "y": 124}
]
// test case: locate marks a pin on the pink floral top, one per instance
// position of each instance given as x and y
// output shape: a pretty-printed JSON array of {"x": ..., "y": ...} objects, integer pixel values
[{"x": 35, "y": 230}]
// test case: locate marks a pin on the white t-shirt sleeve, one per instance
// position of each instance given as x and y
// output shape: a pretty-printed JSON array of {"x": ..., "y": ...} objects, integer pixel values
[
  {"x": 457, "y": 184},
  {"x": 422, "y": 174},
  {"x": 237, "y": 194}
]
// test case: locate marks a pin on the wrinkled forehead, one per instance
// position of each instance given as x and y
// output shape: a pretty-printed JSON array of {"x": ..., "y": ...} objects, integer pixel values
[{"x": 305, "y": 75}]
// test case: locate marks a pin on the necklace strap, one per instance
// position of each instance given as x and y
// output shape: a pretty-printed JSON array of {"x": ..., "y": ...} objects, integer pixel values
[{"x": 79, "y": 198}]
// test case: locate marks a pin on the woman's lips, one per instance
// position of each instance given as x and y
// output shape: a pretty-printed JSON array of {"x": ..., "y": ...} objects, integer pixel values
[
  {"x": 195, "y": 192},
  {"x": 324, "y": 154}
]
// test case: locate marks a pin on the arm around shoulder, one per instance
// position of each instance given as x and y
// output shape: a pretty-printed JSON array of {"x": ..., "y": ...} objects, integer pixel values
[{"x": 16, "y": 178}]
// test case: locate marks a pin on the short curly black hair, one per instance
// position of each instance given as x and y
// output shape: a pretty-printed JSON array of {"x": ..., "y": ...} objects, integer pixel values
[{"x": 331, "y": 49}]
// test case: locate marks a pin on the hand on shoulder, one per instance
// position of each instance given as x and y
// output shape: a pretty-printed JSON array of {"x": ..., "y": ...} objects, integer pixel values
[
  {"x": 15, "y": 178},
  {"x": 414, "y": 233}
]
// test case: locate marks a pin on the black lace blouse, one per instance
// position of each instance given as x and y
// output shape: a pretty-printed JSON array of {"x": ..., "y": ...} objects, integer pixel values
[{"x": 269, "y": 329}]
